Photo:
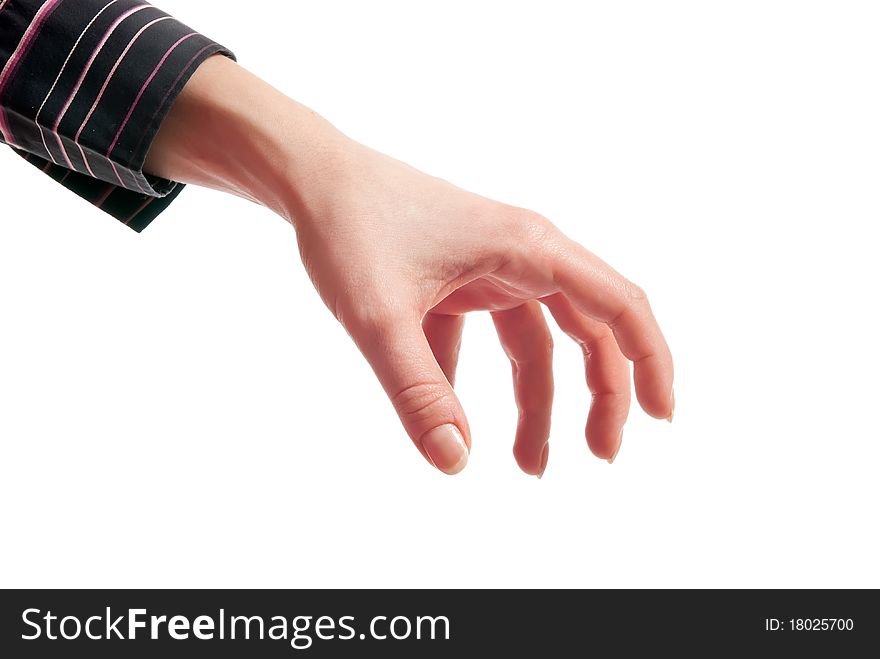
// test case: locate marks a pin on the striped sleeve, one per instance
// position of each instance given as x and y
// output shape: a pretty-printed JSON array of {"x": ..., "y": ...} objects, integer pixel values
[{"x": 84, "y": 87}]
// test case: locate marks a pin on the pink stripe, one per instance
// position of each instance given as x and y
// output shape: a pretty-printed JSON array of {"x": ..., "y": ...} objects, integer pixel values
[
  {"x": 144, "y": 88},
  {"x": 119, "y": 177},
  {"x": 104, "y": 88},
  {"x": 171, "y": 88},
  {"x": 85, "y": 71},
  {"x": 149, "y": 201},
  {"x": 85, "y": 160},
  {"x": 100, "y": 200},
  {"x": 21, "y": 50}
]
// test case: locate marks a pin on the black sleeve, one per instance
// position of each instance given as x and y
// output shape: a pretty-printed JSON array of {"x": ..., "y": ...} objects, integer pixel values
[{"x": 84, "y": 87}]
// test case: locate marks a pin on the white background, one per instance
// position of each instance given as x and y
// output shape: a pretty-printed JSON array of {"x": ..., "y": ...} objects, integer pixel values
[{"x": 178, "y": 408}]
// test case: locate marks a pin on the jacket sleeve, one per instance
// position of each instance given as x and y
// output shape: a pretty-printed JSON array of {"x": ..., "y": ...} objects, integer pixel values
[{"x": 84, "y": 87}]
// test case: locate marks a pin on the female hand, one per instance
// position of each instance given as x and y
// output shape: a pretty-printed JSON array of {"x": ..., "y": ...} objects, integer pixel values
[{"x": 399, "y": 257}]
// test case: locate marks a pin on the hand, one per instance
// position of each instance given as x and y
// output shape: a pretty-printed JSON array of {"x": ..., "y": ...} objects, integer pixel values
[{"x": 399, "y": 257}]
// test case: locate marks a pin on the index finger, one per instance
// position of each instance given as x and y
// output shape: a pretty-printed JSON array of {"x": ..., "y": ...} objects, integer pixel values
[{"x": 601, "y": 292}]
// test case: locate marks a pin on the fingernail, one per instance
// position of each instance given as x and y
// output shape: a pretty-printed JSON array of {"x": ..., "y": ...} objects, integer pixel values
[
  {"x": 544, "y": 455},
  {"x": 446, "y": 448},
  {"x": 669, "y": 418},
  {"x": 617, "y": 450}
]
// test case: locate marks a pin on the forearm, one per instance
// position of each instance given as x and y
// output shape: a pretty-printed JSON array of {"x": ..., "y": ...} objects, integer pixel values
[{"x": 231, "y": 131}]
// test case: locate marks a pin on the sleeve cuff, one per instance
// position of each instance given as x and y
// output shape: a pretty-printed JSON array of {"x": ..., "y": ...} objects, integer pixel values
[{"x": 84, "y": 90}]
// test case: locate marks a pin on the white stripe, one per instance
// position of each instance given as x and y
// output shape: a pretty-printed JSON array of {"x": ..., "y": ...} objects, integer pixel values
[{"x": 64, "y": 66}]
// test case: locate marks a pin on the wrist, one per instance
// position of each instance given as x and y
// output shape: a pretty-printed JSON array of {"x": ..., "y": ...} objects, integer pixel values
[{"x": 233, "y": 132}]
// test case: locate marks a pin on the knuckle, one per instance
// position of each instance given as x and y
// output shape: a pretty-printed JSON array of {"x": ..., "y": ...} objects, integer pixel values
[
  {"x": 634, "y": 295},
  {"x": 600, "y": 340},
  {"x": 422, "y": 401},
  {"x": 529, "y": 228},
  {"x": 365, "y": 312},
  {"x": 369, "y": 315},
  {"x": 635, "y": 292},
  {"x": 528, "y": 237},
  {"x": 634, "y": 302}
]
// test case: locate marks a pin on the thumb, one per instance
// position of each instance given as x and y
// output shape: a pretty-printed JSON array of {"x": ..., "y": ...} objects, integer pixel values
[{"x": 428, "y": 408}]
